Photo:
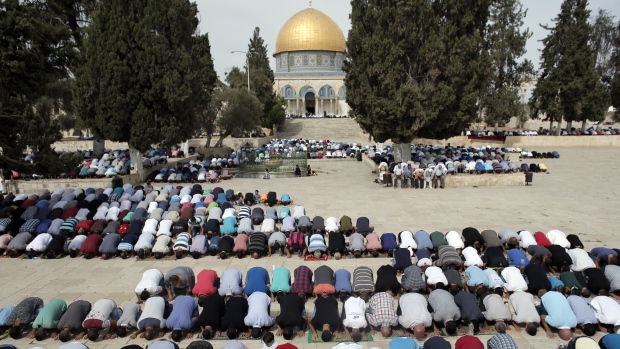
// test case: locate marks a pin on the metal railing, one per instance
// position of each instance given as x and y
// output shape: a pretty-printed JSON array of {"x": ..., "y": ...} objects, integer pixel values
[{"x": 276, "y": 163}]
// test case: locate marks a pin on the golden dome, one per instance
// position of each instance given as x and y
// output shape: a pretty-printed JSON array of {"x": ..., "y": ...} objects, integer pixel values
[{"x": 310, "y": 30}]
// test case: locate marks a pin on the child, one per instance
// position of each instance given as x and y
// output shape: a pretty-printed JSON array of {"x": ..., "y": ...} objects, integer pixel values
[
  {"x": 269, "y": 341},
  {"x": 267, "y": 176}
]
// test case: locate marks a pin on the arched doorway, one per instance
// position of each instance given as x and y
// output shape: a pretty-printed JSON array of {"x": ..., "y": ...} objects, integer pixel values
[{"x": 310, "y": 103}]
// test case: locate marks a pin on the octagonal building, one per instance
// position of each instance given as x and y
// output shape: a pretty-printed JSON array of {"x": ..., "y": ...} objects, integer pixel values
[{"x": 310, "y": 50}]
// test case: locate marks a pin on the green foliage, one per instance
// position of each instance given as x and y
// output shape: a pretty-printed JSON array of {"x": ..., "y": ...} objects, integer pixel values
[
  {"x": 604, "y": 34},
  {"x": 36, "y": 50},
  {"x": 239, "y": 112},
  {"x": 207, "y": 119},
  {"x": 236, "y": 78},
  {"x": 615, "y": 82},
  {"x": 569, "y": 85},
  {"x": 262, "y": 79},
  {"x": 277, "y": 114},
  {"x": 416, "y": 68},
  {"x": 506, "y": 43},
  {"x": 143, "y": 77}
]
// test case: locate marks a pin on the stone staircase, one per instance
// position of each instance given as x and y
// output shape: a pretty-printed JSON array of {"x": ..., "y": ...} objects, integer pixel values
[{"x": 339, "y": 130}]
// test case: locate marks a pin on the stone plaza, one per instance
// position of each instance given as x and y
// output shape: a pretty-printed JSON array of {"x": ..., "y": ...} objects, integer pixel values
[{"x": 579, "y": 195}]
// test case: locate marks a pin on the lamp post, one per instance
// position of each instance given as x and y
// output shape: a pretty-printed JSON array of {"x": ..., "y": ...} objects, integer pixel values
[{"x": 247, "y": 63}]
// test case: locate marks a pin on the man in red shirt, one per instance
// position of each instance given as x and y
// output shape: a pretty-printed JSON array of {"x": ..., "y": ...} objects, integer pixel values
[
  {"x": 468, "y": 342},
  {"x": 207, "y": 283},
  {"x": 90, "y": 247}
]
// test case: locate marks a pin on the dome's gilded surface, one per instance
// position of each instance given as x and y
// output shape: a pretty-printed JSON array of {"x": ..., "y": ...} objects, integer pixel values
[{"x": 310, "y": 30}]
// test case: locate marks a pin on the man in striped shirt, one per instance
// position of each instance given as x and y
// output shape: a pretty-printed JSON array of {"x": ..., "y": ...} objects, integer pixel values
[
  {"x": 181, "y": 245},
  {"x": 258, "y": 245},
  {"x": 363, "y": 282}
]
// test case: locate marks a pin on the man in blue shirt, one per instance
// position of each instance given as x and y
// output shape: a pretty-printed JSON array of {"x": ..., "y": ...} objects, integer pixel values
[
  {"x": 183, "y": 317},
  {"x": 517, "y": 258},
  {"x": 556, "y": 312},
  {"x": 603, "y": 256},
  {"x": 256, "y": 280},
  {"x": 423, "y": 240},
  {"x": 343, "y": 284}
]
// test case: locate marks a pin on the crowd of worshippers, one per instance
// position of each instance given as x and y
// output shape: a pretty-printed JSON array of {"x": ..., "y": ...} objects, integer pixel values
[
  {"x": 315, "y": 149},
  {"x": 455, "y": 160},
  {"x": 456, "y": 283}
]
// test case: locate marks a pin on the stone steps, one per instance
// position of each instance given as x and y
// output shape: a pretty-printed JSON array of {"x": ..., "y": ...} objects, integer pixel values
[{"x": 340, "y": 130}]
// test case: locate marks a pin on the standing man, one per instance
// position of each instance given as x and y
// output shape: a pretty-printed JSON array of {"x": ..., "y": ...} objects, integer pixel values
[
  {"x": 398, "y": 175},
  {"x": 439, "y": 176}
]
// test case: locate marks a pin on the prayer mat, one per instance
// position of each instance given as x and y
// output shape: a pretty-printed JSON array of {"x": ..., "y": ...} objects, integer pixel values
[
  {"x": 342, "y": 337},
  {"x": 224, "y": 337},
  {"x": 490, "y": 332},
  {"x": 313, "y": 258}
]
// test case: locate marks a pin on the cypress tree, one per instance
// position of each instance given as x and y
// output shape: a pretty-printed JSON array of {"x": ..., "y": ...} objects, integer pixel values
[
  {"x": 415, "y": 68},
  {"x": 139, "y": 79},
  {"x": 569, "y": 85}
]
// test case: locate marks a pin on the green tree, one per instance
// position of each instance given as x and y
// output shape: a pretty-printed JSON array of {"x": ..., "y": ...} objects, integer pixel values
[
  {"x": 262, "y": 79},
  {"x": 238, "y": 112},
  {"x": 506, "y": 44},
  {"x": 208, "y": 117},
  {"x": 415, "y": 68},
  {"x": 206, "y": 82},
  {"x": 604, "y": 34},
  {"x": 277, "y": 114},
  {"x": 139, "y": 80},
  {"x": 236, "y": 78},
  {"x": 36, "y": 50},
  {"x": 615, "y": 82},
  {"x": 569, "y": 85}
]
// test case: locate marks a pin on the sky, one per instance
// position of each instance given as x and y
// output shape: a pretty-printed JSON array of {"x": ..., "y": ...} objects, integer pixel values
[{"x": 230, "y": 23}]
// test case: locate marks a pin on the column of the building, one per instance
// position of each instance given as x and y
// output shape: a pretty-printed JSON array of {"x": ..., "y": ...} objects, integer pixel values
[{"x": 297, "y": 105}]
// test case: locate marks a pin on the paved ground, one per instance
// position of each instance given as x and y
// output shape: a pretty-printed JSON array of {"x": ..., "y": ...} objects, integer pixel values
[{"x": 579, "y": 195}]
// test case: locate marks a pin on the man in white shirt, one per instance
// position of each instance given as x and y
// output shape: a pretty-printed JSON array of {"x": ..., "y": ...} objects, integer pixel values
[
  {"x": 258, "y": 318},
  {"x": 331, "y": 225},
  {"x": 38, "y": 244},
  {"x": 435, "y": 275},
  {"x": 471, "y": 257},
  {"x": 581, "y": 259},
  {"x": 151, "y": 284},
  {"x": 526, "y": 239},
  {"x": 150, "y": 226},
  {"x": 607, "y": 311},
  {"x": 413, "y": 314},
  {"x": 398, "y": 175},
  {"x": 525, "y": 312},
  {"x": 439, "y": 176},
  {"x": 354, "y": 319},
  {"x": 407, "y": 241},
  {"x": 455, "y": 240},
  {"x": 298, "y": 212},
  {"x": 558, "y": 238},
  {"x": 229, "y": 212},
  {"x": 268, "y": 227},
  {"x": 514, "y": 280}
]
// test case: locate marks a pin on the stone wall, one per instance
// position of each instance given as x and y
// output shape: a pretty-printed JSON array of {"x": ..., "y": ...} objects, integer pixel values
[
  {"x": 531, "y": 141},
  {"x": 234, "y": 143},
  {"x": 33, "y": 186}
]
